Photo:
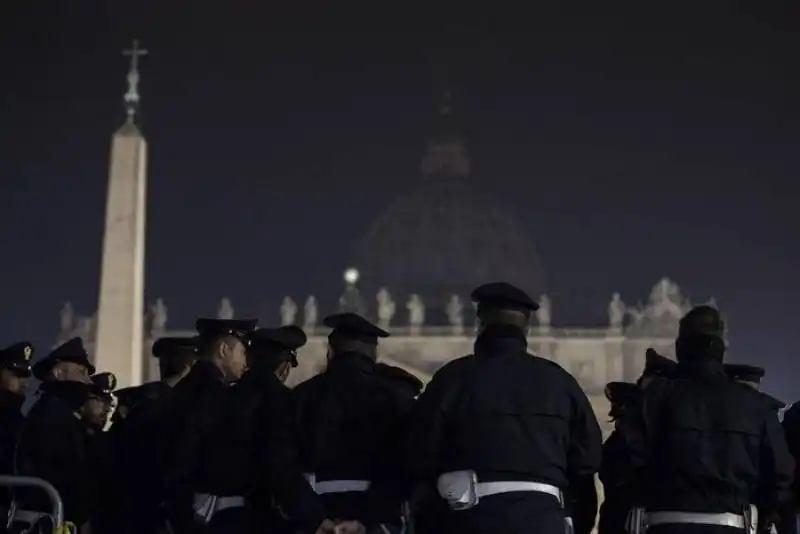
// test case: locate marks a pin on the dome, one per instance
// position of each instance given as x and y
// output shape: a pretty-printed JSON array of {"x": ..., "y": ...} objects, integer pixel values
[{"x": 445, "y": 239}]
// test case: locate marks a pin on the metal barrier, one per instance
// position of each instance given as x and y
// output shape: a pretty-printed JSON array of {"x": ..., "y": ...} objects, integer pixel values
[{"x": 10, "y": 481}]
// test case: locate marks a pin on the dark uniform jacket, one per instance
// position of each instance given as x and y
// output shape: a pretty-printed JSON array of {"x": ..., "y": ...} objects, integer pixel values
[
  {"x": 252, "y": 452},
  {"x": 791, "y": 427},
  {"x": 55, "y": 445},
  {"x": 193, "y": 406},
  {"x": 136, "y": 439},
  {"x": 351, "y": 420},
  {"x": 617, "y": 493},
  {"x": 132, "y": 398},
  {"x": 10, "y": 419},
  {"x": 703, "y": 443},
  {"x": 616, "y": 498},
  {"x": 510, "y": 416},
  {"x": 243, "y": 445}
]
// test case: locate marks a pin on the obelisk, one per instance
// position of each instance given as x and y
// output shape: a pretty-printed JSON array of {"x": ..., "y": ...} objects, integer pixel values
[{"x": 120, "y": 312}]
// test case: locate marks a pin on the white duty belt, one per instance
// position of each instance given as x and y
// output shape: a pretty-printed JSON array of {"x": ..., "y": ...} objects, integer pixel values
[
  {"x": 335, "y": 486},
  {"x": 694, "y": 518},
  {"x": 746, "y": 521},
  {"x": 484, "y": 489},
  {"x": 462, "y": 490}
]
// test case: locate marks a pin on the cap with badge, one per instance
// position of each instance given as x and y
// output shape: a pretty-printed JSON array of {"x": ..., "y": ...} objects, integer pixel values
[
  {"x": 104, "y": 383},
  {"x": 166, "y": 347},
  {"x": 283, "y": 341},
  {"x": 17, "y": 358},
  {"x": 658, "y": 365},
  {"x": 353, "y": 326},
  {"x": 504, "y": 296},
  {"x": 211, "y": 329},
  {"x": 744, "y": 373},
  {"x": 225, "y": 327},
  {"x": 70, "y": 351}
]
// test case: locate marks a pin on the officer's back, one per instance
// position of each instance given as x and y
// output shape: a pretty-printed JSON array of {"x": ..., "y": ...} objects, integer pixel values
[
  {"x": 514, "y": 404},
  {"x": 702, "y": 443},
  {"x": 351, "y": 420},
  {"x": 521, "y": 423}
]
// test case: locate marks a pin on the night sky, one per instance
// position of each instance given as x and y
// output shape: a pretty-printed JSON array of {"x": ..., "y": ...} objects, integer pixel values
[{"x": 631, "y": 146}]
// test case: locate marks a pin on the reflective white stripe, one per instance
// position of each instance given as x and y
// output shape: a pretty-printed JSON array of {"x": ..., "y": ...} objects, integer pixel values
[
  {"x": 485, "y": 489},
  {"x": 722, "y": 520},
  {"x": 221, "y": 503},
  {"x": 340, "y": 486}
]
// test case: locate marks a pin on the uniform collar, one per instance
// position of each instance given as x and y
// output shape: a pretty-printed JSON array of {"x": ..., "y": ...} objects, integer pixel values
[
  {"x": 351, "y": 361},
  {"x": 706, "y": 368},
  {"x": 500, "y": 339}
]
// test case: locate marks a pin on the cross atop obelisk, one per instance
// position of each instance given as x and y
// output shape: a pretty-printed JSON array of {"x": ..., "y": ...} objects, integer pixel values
[{"x": 132, "y": 97}]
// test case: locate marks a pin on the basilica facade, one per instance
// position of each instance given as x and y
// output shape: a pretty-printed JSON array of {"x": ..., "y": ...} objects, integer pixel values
[{"x": 594, "y": 356}]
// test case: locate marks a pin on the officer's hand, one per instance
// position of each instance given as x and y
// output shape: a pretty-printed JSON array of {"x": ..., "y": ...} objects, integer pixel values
[
  {"x": 350, "y": 527},
  {"x": 326, "y": 527}
]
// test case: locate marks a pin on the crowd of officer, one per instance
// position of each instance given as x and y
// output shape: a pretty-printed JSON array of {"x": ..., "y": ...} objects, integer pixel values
[{"x": 500, "y": 441}]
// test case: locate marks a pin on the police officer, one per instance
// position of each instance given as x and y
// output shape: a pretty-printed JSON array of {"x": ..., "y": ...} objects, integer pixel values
[
  {"x": 751, "y": 376},
  {"x": 52, "y": 443},
  {"x": 194, "y": 407},
  {"x": 506, "y": 434},
  {"x": 176, "y": 356},
  {"x": 238, "y": 477},
  {"x": 616, "y": 500},
  {"x": 96, "y": 414},
  {"x": 99, "y": 404},
  {"x": 790, "y": 512},
  {"x": 15, "y": 369},
  {"x": 139, "y": 433},
  {"x": 623, "y": 396},
  {"x": 276, "y": 348},
  {"x": 351, "y": 421},
  {"x": 701, "y": 448}
]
